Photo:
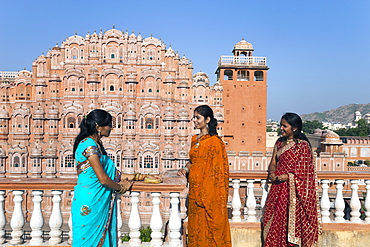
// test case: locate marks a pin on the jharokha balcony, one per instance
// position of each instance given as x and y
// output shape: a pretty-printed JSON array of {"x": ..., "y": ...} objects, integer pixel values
[{"x": 36, "y": 212}]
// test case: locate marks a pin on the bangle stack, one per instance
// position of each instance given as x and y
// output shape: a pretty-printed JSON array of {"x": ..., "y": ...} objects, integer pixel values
[
  {"x": 122, "y": 190},
  {"x": 139, "y": 176},
  {"x": 136, "y": 176}
]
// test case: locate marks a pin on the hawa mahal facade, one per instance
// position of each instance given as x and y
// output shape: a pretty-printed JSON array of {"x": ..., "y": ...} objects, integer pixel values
[{"x": 149, "y": 89}]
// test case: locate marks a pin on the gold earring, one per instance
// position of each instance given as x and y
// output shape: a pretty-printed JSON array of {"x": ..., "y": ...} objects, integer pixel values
[{"x": 99, "y": 133}]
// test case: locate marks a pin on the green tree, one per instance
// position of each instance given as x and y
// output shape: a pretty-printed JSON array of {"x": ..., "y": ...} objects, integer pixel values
[
  {"x": 362, "y": 129},
  {"x": 310, "y": 126}
]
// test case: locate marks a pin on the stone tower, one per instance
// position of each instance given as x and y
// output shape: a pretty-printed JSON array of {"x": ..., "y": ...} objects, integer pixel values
[{"x": 244, "y": 81}]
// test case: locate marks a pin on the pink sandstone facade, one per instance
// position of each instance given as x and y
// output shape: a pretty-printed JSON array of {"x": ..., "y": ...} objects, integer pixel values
[{"x": 149, "y": 89}]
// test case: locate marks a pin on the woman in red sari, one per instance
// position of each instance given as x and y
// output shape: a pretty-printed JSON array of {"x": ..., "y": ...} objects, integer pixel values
[
  {"x": 291, "y": 214},
  {"x": 208, "y": 173}
]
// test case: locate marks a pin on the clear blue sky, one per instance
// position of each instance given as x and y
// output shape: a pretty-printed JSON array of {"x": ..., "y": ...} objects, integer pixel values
[{"x": 318, "y": 51}]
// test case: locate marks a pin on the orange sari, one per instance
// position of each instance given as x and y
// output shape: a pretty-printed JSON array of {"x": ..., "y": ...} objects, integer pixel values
[{"x": 208, "y": 223}]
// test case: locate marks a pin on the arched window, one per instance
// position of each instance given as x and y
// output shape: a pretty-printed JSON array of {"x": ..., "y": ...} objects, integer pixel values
[
  {"x": 228, "y": 75},
  {"x": 111, "y": 88},
  {"x": 24, "y": 160},
  {"x": 68, "y": 161},
  {"x": 148, "y": 161},
  {"x": 71, "y": 122},
  {"x": 157, "y": 123},
  {"x": 258, "y": 76},
  {"x": 149, "y": 123},
  {"x": 119, "y": 122},
  {"x": 16, "y": 161},
  {"x": 113, "y": 122}
]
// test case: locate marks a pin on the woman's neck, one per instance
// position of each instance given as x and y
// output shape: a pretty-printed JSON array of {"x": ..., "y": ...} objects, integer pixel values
[
  {"x": 203, "y": 132},
  {"x": 95, "y": 138}
]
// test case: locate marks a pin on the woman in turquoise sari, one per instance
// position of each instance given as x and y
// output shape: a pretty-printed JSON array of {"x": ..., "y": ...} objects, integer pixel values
[{"x": 94, "y": 219}]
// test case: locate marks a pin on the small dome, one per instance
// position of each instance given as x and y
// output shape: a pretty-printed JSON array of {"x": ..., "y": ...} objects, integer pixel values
[
  {"x": 332, "y": 138},
  {"x": 2, "y": 151},
  {"x": 39, "y": 112},
  {"x": 4, "y": 113},
  {"x": 40, "y": 82},
  {"x": 130, "y": 113},
  {"x": 183, "y": 114},
  {"x": 243, "y": 45},
  {"x": 53, "y": 111},
  {"x": 55, "y": 77},
  {"x": 183, "y": 84}
]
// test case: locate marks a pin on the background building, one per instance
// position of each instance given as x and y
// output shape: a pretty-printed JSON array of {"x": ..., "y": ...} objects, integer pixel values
[{"x": 149, "y": 89}]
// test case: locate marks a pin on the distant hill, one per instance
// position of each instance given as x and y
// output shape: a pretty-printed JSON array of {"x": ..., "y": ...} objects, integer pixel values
[{"x": 344, "y": 114}]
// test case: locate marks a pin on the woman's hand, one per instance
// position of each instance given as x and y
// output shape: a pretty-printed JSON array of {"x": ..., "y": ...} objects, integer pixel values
[
  {"x": 127, "y": 183},
  {"x": 182, "y": 172},
  {"x": 282, "y": 178},
  {"x": 272, "y": 177}
]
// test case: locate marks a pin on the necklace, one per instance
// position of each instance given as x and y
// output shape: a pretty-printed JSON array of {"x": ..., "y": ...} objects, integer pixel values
[
  {"x": 289, "y": 141},
  {"x": 199, "y": 137}
]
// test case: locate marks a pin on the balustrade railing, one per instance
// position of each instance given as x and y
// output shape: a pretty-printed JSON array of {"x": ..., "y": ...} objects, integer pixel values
[
  {"x": 22, "y": 221},
  {"x": 242, "y": 60}
]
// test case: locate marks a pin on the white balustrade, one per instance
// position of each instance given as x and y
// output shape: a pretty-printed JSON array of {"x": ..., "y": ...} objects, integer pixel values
[
  {"x": 2, "y": 217},
  {"x": 156, "y": 222},
  {"x": 355, "y": 203},
  {"x": 70, "y": 240},
  {"x": 325, "y": 201},
  {"x": 134, "y": 223},
  {"x": 174, "y": 223},
  {"x": 236, "y": 202},
  {"x": 37, "y": 220},
  {"x": 367, "y": 202},
  {"x": 119, "y": 217},
  {"x": 339, "y": 202},
  {"x": 17, "y": 221},
  {"x": 265, "y": 189},
  {"x": 251, "y": 202},
  {"x": 56, "y": 220}
]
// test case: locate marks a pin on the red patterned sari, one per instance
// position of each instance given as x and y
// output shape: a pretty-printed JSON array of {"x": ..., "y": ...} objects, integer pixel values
[
  {"x": 208, "y": 224},
  {"x": 292, "y": 214}
]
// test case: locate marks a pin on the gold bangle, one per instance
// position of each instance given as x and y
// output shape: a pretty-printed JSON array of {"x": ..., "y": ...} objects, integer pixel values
[
  {"x": 136, "y": 176},
  {"x": 123, "y": 189}
]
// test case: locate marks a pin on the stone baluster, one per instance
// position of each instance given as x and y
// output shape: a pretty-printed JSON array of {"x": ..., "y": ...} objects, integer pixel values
[
  {"x": 325, "y": 201},
  {"x": 70, "y": 233},
  {"x": 134, "y": 223},
  {"x": 175, "y": 221},
  {"x": 56, "y": 219},
  {"x": 17, "y": 221},
  {"x": 119, "y": 217},
  {"x": 251, "y": 202},
  {"x": 355, "y": 203},
  {"x": 265, "y": 189},
  {"x": 37, "y": 220},
  {"x": 2, "y": 217},
  {"x": 156, "y": 222},
  {"x": 339, "y": 202},
  {"x": 236, "y": 203},
  {"x": 367, "y": 202}
]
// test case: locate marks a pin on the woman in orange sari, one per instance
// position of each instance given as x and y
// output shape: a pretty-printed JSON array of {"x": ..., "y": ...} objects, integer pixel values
[
  {"x": 291, "y": 214},
  {"x": 208, "y": 173}
]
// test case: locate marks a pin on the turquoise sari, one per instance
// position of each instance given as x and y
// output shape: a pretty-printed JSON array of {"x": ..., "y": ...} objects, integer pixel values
[{"x": 94, "y": 216}]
